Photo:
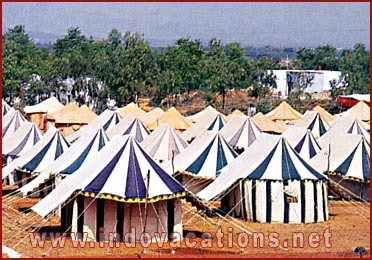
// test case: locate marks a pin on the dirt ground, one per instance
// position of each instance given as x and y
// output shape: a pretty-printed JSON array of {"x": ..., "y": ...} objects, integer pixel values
[{"x": 348, "y": 226}]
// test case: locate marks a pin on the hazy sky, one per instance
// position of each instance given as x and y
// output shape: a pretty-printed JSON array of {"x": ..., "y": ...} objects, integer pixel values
[{"x": 252, "y": 24}]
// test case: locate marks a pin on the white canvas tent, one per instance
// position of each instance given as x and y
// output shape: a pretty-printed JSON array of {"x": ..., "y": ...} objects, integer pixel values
[
  {"x": 270, "y": 182},
  {"x": 11, "y": 122},
  {"x": 130, "y": 125},
  {"x": 314, "y": 122}
]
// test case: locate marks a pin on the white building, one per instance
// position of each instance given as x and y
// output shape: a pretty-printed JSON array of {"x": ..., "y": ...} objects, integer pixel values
[{"x": 320, "y": 82}]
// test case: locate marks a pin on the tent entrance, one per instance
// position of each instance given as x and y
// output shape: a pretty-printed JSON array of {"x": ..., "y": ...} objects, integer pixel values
[{"x": 170, "y": 209}]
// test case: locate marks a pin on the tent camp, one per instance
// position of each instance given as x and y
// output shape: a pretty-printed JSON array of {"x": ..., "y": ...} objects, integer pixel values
[
  {"x": 172, "y": 117},
  {"x": 74, "y": 120},
  {"x": 115, "y": 194},
  {"x": 84, "y": 150},
  {"x": 11, "y": 122},
  {"x": 347, "y": 162},
  {"x": 302, "y": 141},
  {"x": 38, "y": 112},
  {"x": 130, "y": 125},
  {"x": 209, "y": 121},
  {"x": 201, "y": 161},
  {"x": 240, "y": 132},
  {"x": 152, "y": 117},
  {"x": 164, "y": 143},
  {"x": 32, "y": 162},
  {"x": 197, "y": 116},
  {"x": 324, "y": 114},
  {"x": 131, "y": 109},
  {"x": 314, "y": 122},
  {"x": 108, "y": 119},
  {"x": 26, "y": 136},
  {"x": 283, "y": 113},
  {"x": 268, "y": 126},
  {"x": 345, "y": 124},
  {"x": 270, "y": 182}
]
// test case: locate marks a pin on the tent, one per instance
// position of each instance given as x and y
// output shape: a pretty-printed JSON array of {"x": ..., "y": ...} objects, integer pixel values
[
  {"x": 302, "y": 141},
  {"x": 201, "y": 161},
  {"x": 131, "y": 109},
  {"x": 47, "y": 150},
  {"x": 210, "y": 121},
  {"x": 70, "y": 107},
  {"x": 324, "y": 114},
  {"x": 108, "y": 119},
  {"x": 84, "y": 150},
  {"x": 360, "y": 111},
  {"x": 164, "y": 143},
  {"x": 314, "y": 122},
  {"x": 152, "y": 117},
  {"x": 266, "y": 125},
  {"x": 11, "y": 122},
  {"x": 172, "y": 117},
  {"x": 345, "y": 124},
  {"x": 39, "y": 112},
  {"x": 5, "y": 108},
  {"x": 197, "y": 116},
  {"x": 347, "y": 162},
  {"x": 270, "y": 182},
  {"x": 240, "y": 132},
  {"x": 73, "y": 121},
  {"x": 235, "y": 112},
  {"x": 283, "y": 113},
  {"x": 26, "y": 136},
  {"x": 130, "y": 125},
  {"x": 112, "y": 195}
]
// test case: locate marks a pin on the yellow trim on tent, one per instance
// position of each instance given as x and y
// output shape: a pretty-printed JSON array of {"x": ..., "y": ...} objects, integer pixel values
[
  {"x": 196, "y": 176},
  {"x": 131, "y": 200},
  {"x": 346, "y": 177}
]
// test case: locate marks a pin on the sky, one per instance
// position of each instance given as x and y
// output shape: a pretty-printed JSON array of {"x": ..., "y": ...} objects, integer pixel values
[{"x": 258, "y": 24}]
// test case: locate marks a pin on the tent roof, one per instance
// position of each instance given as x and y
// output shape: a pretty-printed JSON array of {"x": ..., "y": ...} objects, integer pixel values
[
  {"x": 269, "y": 158},
  {"x": 120, "y": 175},
  {"x": 173, "y": 118},
  {"x": 47, "y": 106},
  {"x": 152, "y": 117},
  {"x": 11, "y": 122},
  {"x": 204, "y": 157},
  {"x": 26, "y": 136},
  {"x": 360, "y": 111},
  {"x": 326, "y": 115},
  {"x": 48, "y": 149},
  {"x": 82, "y": 151},
  {"x": 209, "y": 121},
  {"x": 130, "y": 125},
  {"x": 108, "y": 119},
  {"x": 266, "y": 125},
  {"x": 313, "y": 121},
  {"x": 339, "y": 152},
  {"x": 240, "y": 131},
  {"x": 235, "y": 112},
  {"x": 197, "y": 116},
  {"x": 62, "y": 111},
  {"x": 283, "y": 112},
  {"x": 131, "y": 109},
  {"x": 81, "y": 115},
  {"x": 164, "y": 142},
  {"x": 5, "y": 108}
]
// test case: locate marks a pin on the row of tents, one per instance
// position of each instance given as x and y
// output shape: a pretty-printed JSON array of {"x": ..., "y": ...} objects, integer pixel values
[{"x": 105, "y": 173}]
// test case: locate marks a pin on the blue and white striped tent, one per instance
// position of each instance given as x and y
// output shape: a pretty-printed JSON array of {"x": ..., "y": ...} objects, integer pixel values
[
  {"x": 108, "y": 119},
  {"x": 270, "y": 182},
  {"x": 302, "y": 141},
  {"x": 346, "y": 159},
  {"x": 164, "y": 143},
  {"x": 130, "y": 125},
  {"x": 313, "y": 121},
  {"x": 118, "y": 184},
  {"x": 26, "y": 136},
  {"x": 35, "y": 160},
  {"x": 210, "y": 121},
  {"x": 201, "y": 161},
  {"x": 11, "y": 122},
  {"x": 240, "y": 131},
  {"x": 5, "y": 108},
  {"x": 84, "y": 150}
]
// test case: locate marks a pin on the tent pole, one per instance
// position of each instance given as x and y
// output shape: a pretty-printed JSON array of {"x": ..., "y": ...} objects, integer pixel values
[{"x": 146, "y": 203}]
